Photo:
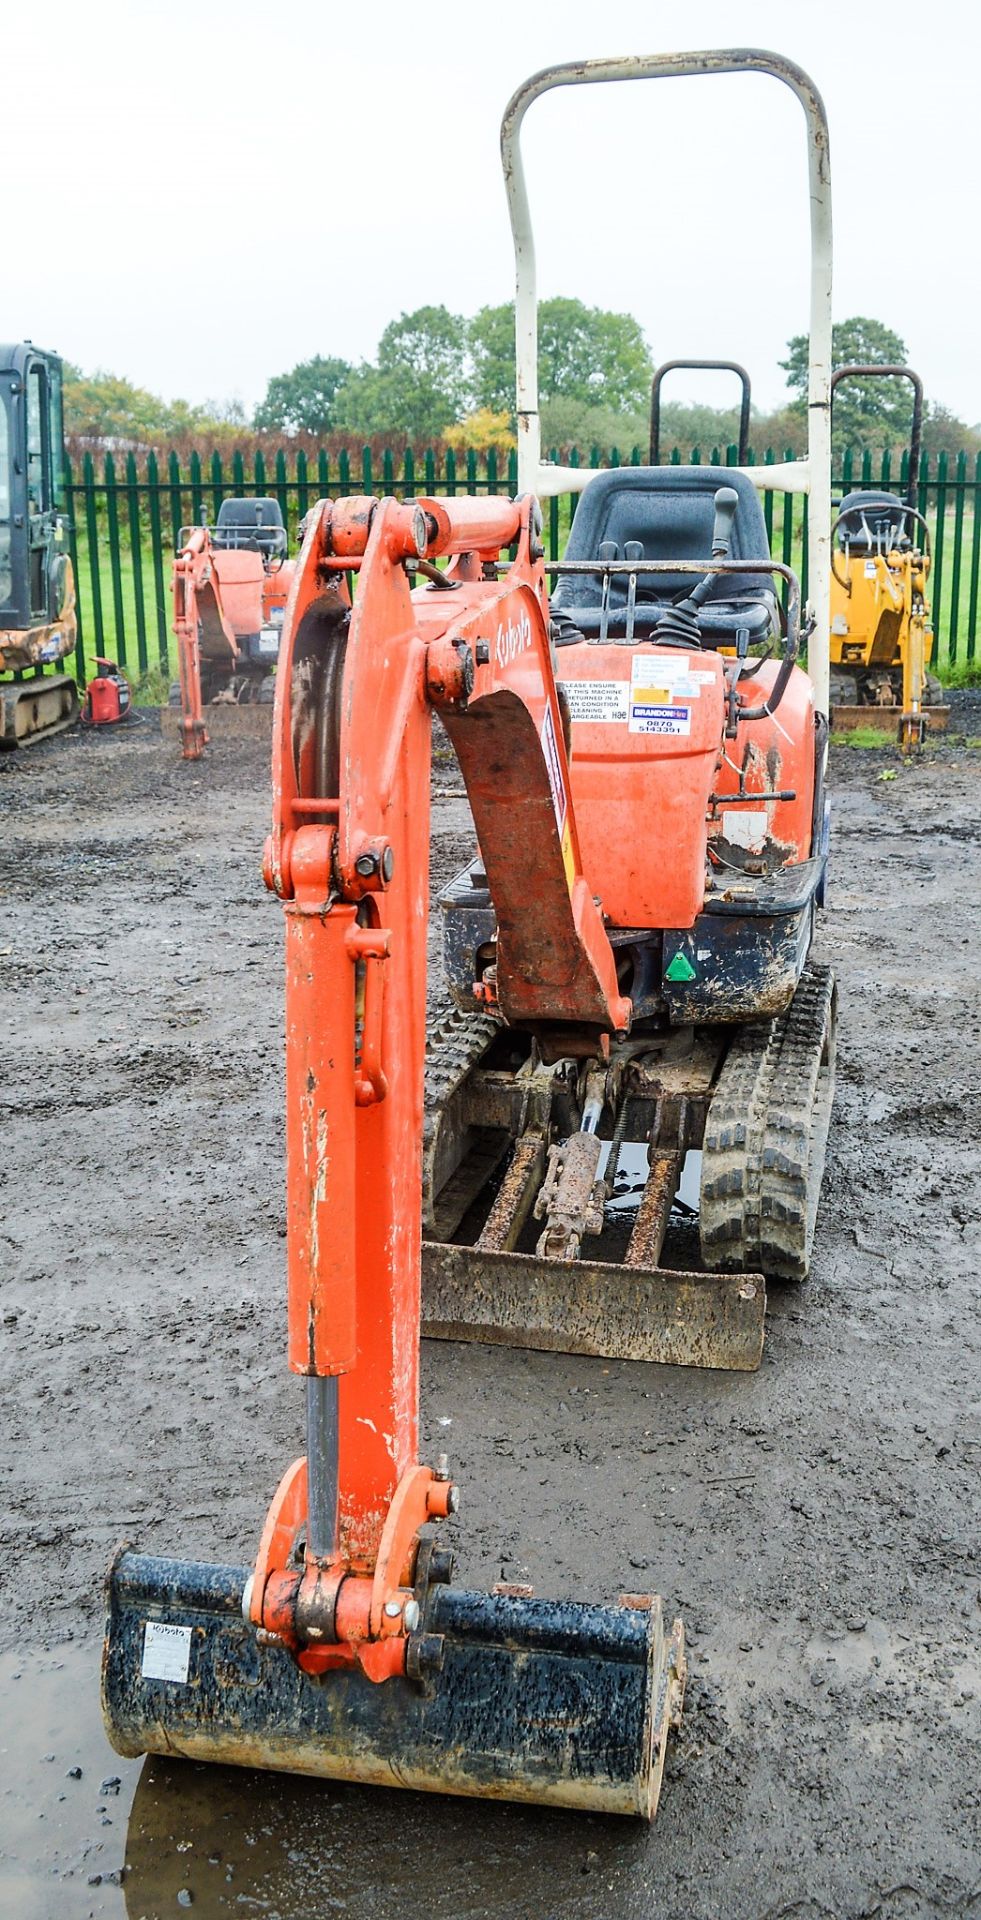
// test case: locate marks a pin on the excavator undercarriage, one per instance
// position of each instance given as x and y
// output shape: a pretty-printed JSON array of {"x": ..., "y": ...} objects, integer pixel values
[{"x": 530, "y": 1238}]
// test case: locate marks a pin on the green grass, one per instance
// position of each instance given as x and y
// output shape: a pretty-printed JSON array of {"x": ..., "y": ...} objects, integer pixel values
[{"x": 864, "y": 737}]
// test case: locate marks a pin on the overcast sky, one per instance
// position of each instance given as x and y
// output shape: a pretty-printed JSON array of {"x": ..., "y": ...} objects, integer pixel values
[{"x": 197, "y": 198}]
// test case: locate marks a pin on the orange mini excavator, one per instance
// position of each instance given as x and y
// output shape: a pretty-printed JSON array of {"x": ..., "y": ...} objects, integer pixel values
[
  {"x": 230, "y": 588},
  {"x": 644, "y": 942}
]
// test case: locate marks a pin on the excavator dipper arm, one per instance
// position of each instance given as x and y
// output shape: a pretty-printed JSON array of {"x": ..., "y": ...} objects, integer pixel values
[
  {"x": 197, "y": 607},
  {"x": 346, "y": 1651}
]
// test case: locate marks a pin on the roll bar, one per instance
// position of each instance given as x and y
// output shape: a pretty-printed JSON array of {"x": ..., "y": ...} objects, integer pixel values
[
  {"x": 710, "y": 366},
  {"x": 916, "y": 430},
  {"x": 812, "y": 475}
]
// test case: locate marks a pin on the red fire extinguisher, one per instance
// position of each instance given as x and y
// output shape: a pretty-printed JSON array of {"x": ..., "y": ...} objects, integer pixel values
[{"x": 108, "y": 697}]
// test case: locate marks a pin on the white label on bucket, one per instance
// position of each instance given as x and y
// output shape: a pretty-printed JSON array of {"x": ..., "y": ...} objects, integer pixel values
[
  {"x": 166, "y": 1651},
  {"x": 602, "y": 700}
]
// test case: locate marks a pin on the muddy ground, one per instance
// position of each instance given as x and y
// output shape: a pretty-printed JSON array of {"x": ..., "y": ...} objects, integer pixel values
[{"x": 816, "y": 1524}]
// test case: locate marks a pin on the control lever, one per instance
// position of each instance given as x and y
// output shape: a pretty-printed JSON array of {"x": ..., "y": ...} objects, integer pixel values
[
  {"x": 633, "y": 550},
  {"x": 679, "y": 624},
  {"x": 608, "y": 551}
]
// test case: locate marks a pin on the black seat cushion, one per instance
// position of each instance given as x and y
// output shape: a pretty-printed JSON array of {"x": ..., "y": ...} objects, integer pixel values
[
  {"x": 870, "y": 521},
  {"x": 670, "y": 511},
  {"x": 255, "y": 525}
]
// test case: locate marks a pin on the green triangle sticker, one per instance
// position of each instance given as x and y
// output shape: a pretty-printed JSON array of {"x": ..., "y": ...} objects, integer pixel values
[{"x": 680, "y": 969}]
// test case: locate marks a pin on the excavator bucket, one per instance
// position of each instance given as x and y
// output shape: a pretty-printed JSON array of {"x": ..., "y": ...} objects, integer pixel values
[{"x": 507, "y": 1697}]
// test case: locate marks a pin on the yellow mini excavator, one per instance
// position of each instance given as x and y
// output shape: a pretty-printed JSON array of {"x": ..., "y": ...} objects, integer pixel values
[{"x": 882, "y": 638}]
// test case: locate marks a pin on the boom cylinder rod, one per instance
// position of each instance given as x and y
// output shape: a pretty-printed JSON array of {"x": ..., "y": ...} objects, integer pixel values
[{"x": 322, "y": 1466}]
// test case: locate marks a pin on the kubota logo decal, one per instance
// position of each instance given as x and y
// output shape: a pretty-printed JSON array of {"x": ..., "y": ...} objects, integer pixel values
[{"x": 512, "y": 640}]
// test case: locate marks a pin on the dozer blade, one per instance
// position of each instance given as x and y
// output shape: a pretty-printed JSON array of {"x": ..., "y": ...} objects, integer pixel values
[
  {"x": 30, "y": 710},
  {"x": 845, "y": 719},
  {"x": 517, "y": 1698},
  {"x": 592, "y": 1306}
]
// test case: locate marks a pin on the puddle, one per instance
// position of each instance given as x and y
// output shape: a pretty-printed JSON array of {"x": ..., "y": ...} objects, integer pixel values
[
  {"x": 218, "y": 1841},
  {"x": 58, "y": 1832},
  {"x": 632, "y": 1170}
]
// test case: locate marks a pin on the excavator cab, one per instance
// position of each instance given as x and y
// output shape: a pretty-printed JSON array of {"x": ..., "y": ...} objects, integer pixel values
[
  {"x": 252, "y": 526},
  {"x": 37, "y": 588}
]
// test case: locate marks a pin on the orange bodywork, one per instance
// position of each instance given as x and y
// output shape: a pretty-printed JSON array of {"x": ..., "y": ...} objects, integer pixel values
[
  {"x": 221, "y": 595},
  {"x": 638, "y": 796}
]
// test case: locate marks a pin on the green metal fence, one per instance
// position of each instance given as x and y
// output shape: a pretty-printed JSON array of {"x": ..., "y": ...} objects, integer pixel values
[{"x": 127, "y": 520}]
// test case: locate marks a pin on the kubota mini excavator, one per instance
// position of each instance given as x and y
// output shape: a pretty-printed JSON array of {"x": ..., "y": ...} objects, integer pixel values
[
  {"x": 231, "y": 584},
  {"x": 882, "y": 639},
  {"x": 347, "y": 1650}
]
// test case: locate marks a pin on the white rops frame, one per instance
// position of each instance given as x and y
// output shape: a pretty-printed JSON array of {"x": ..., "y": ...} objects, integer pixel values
[{"x": 811, "y": 475}]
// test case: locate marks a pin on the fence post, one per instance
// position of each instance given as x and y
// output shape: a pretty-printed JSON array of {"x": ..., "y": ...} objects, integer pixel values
[
  {"x": 788, "y": 533},
  {"x": 176, "y": 506},
  {"x": 450, "y": 471},
  {"x": 217, "y": 486},
  {"x": 115, "y": 569},
  {"x": 197, "y": 499},
  {"x": 492, "y": 469},
  {"x": 938, "y": 543},
  {"x": 972, "y": 615},
  {"x": 282, "y": 489},
  {"x": 768, "y": 459},
  {"x": 238, "y": 473},
  {"x": 302, "y": 486},
  {"x": 156, "y": 549},
  {"x": 344, "y": 473},
  {"x": 92, "y": 539},
  {"x": 259, "y": 470},
  {"x": 367, "y": 484},
  {"x": 471, "y": 470},
  {"x": 574, "y": 461},
  {"x": 408, "y": 474},
  {"x": 136, "y": 547},
  {"x": 960, "y": 483},
  {"x": 635, "y": 459},
  {"x": 323, "y": 473},
  {"x": 553, "y": 520},
  {"x": 70, "y": 492}
]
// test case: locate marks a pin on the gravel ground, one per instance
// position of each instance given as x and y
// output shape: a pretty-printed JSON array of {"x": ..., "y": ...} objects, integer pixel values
[{"x": 816, "y": 1524}]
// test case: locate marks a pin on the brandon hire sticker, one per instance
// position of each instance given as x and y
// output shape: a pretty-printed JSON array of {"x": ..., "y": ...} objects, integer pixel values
[{"x": 647, "y": 718}]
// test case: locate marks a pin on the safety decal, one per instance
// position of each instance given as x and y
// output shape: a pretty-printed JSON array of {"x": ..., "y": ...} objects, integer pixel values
[
  {"x": 603, "y": 700},
  {"x": 166, "y": 1651},
  {"x": 555, "y": 780}
]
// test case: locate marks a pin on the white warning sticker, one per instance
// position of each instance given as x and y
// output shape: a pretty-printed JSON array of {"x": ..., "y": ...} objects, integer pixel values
[
  {"x": 597, "y": 699},
  {"x": 555, "y": 780},
  {"x": 166, "y": 1651},
  {"x": 663, "y": 677}
]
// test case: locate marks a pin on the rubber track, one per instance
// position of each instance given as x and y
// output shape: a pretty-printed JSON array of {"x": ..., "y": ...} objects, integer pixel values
[
  {"x": 766, "y": 1134},
  {"x": 455, "y": 1043}
]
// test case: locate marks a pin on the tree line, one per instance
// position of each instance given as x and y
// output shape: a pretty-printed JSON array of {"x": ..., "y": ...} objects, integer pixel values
[{"x": 441, "y": 378}]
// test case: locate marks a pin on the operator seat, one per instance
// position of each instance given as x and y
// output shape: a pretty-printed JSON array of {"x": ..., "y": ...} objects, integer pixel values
[
  {"x": 670, "y": 511},
  {"x": 873, "y": 522},
  {"x": 252, "y": 526}
]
